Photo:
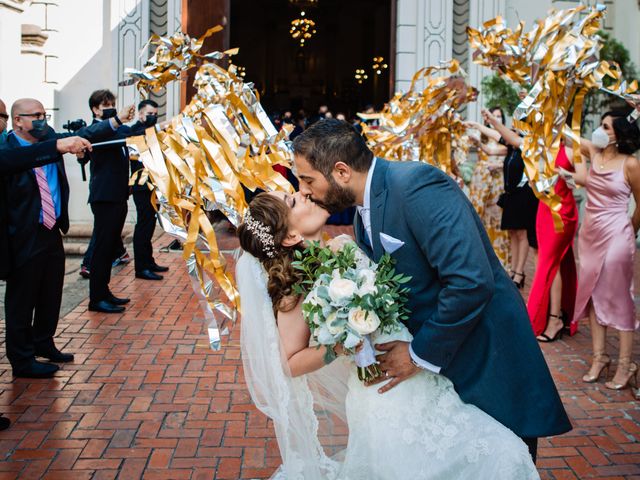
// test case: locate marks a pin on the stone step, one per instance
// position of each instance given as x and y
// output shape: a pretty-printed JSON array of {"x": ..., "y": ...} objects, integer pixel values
[{"x": 77, "y": 239}]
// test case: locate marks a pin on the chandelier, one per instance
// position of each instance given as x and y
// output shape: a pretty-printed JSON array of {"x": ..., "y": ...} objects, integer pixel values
[
  {"x": 379, "y": 65},
  {"x": 360, "y": 76},
  {"x": 302, "y": 28}
]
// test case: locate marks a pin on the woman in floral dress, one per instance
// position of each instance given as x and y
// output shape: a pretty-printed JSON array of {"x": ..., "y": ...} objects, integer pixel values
[{"x": 487, "y": 185}]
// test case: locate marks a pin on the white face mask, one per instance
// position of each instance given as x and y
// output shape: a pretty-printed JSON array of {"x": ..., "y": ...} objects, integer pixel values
[{"x": 600, "y": 138}]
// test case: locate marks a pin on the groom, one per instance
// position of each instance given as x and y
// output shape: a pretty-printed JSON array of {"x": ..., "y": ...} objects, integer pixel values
[{"x": 469, "y": 322}]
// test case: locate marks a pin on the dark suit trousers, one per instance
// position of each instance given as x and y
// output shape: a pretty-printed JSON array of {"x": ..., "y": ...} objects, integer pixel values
[
  {"x": 86, "y": 260},
  {"x": 108, "y": 220},
  {"x": 143, "y": 232},
  {"x": 33, "y": 297}
]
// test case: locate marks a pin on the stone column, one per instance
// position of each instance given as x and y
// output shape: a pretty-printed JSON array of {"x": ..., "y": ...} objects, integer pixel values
[
  {"x": 480, "y": 12},
  {"x": 423, "y": 37}
]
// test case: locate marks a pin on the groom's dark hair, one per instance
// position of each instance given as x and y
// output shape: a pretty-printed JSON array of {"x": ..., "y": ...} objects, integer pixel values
[{"x": 330, "y": 141}]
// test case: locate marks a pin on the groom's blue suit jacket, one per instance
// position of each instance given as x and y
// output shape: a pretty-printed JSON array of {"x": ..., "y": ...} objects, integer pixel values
[{"x": 466, "y": 314}]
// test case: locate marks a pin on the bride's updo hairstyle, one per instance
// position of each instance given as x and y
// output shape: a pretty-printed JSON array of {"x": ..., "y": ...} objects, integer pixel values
[{"x": 261, "y": 233}]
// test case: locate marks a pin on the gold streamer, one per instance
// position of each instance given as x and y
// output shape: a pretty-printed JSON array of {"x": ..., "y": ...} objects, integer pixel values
[
  {"x": 221, "y": 142},
  {"x": 423, "y": 124},
  {"x": 559, "y": 57}
]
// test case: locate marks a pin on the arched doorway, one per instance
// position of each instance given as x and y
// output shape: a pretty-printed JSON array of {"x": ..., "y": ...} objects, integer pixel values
[{"x": 289, "y": 76}]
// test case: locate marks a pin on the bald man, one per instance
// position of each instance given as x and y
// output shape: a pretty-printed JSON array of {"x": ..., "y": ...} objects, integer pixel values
[{"x": 36, "y": 211}]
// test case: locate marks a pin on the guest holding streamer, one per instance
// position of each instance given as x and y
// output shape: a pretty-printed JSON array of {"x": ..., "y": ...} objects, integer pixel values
[{"x": 554, "y": 287}]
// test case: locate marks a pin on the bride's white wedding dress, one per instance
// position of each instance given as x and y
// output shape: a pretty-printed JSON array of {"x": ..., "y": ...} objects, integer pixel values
[{"x": 418, "y": 430}]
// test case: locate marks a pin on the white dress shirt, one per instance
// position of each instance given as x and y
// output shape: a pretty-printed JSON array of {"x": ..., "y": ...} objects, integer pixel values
[{"x": 365, "y": 215}]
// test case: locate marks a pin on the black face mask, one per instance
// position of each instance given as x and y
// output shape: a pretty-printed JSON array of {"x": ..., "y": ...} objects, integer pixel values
[
  {"x": 109, "y": 113},
  {"x": 39, "y": 129},
  {"x": 150, "y": 120}
]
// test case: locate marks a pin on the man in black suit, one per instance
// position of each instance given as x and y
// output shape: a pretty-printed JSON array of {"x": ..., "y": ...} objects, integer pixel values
[
  {"x": 108, "y": 193},
  {"x": 16, "y": 160},
  {"x": 36, "y": 210},
  {"x": 146, "y": 266}
]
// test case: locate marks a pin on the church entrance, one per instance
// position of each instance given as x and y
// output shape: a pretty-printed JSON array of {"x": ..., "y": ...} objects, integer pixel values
[{"x": 302, "y": 54}]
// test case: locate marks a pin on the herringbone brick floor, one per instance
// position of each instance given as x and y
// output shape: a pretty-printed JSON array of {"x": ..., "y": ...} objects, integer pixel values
[{"x": 147, "y": 398}]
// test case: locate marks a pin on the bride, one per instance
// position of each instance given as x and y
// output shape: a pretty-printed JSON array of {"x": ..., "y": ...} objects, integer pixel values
[{"x": 420, "y": 429}]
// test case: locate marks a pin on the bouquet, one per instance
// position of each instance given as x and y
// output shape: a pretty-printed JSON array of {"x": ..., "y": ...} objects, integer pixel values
[{"x": 348, "y": 297}]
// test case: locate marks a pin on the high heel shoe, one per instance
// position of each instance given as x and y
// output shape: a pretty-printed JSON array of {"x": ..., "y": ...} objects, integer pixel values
[
  {"x": 544, "y": 338},
  {"x": 519, "y": 284},
  {"x": 632, "y": 374},
  {"x": 604, "y": 362}
]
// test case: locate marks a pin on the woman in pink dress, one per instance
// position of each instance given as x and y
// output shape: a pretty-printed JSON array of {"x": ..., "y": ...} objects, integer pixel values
[{"x": 607, "y": 243}]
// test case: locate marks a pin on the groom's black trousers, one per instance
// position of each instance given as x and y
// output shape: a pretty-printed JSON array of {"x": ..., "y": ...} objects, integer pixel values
[{"x": 532, "y": 443}]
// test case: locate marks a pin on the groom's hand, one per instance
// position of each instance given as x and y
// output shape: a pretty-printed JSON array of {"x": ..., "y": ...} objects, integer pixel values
[{"x": 396, "y": 363}]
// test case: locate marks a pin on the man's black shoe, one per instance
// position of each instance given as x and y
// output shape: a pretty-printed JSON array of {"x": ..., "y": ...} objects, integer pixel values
[
  {"x": 36, "y": 369},
  {"x": 55, "y": 355},
  {"x": 118, "y": 301},
  {"x": 4, "y": 423},
  {"x": 158, "y": 268},
  {"x": 105, "y": 306},
  {"x": 148, "y": 275}
]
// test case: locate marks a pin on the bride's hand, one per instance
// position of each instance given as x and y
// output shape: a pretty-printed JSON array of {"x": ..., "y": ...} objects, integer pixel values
[{"x": 340, "y": 350}]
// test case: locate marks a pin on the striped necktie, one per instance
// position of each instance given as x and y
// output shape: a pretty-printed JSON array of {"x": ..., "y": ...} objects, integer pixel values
[{"x": 48, "y": 210}]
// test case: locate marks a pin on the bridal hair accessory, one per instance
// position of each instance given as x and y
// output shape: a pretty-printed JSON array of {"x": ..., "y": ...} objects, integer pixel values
[{"x": 262, "y": 233}]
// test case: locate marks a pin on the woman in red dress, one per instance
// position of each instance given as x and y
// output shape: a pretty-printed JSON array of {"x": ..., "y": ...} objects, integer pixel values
[{"x": 553, "y": 292}]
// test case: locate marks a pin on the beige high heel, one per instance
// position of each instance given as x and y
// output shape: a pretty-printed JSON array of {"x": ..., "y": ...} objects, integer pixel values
[
  {"x": 632, "y": 374},
  {"x": 604, "y": 362}
]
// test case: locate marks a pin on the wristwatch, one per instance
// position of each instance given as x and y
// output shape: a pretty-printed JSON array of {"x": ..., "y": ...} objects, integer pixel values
[{"x": 118, "y": 120}]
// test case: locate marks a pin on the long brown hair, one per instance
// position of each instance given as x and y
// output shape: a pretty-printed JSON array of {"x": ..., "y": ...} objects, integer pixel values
[{"x": 273, "y": 213}]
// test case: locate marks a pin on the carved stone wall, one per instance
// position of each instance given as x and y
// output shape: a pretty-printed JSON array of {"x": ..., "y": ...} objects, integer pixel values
[
  {"x": 481, "y": 11},
  {"x": 174, "y": 23},
  {"x": 132, "y": 33},
  {"x": 158, "y": 19},
  {"x": 423, "y": 36}
]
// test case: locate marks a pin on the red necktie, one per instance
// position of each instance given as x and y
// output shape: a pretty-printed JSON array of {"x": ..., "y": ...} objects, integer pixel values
[{"x": 48, "y": 210}]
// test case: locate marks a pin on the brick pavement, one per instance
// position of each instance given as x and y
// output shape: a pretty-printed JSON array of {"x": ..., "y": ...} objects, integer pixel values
[{"x": 146, "y": 398}]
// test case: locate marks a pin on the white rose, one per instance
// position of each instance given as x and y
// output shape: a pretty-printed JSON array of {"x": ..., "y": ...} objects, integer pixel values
[
  {"x": 341, "y": 290},
  {"x": 333, "y": 324},
  {"x": 367, "y": 280},
  {"x": 338, "y": 243},
  {"x": 363, "y": 321}
]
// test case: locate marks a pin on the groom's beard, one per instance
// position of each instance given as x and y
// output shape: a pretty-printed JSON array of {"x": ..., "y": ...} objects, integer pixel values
[{"x": 337, "y": 198}]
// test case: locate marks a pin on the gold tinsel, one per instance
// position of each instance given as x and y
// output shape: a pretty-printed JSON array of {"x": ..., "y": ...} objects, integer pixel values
[
  {"x": 423, "y": 124},
  {"x": 221, "y": 142},
  {"x": 559, "y": 57}
]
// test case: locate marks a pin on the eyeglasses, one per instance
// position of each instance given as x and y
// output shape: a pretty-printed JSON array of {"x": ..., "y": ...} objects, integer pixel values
[
  {"x": 5, "y": 116},
  {"x": 38, "y": 115}
]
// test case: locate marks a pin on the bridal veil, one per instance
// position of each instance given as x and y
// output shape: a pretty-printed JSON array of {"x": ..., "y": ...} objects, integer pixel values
[{"x": 308, "y": 411}]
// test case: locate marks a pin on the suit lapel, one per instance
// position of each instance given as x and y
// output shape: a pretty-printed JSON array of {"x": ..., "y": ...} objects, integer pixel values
[
  {"x": 13, "y": 142},
  {"x": 378, "y": 200}
]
